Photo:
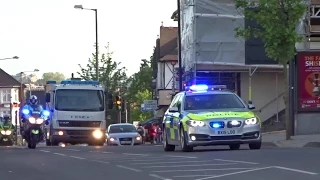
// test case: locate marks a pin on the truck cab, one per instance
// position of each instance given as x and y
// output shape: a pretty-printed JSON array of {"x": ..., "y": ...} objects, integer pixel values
[{"x": 78, "y": 110}]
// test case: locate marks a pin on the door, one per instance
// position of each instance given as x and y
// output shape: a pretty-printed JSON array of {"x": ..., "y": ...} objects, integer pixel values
[{"x": 170, "y": 121}]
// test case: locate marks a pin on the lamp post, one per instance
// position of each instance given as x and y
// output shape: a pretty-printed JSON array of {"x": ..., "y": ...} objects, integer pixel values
[
  {"x": 179, "y": 46},
  {"x": 96, "y": 24},
  {"x": 14, "y": 57}
]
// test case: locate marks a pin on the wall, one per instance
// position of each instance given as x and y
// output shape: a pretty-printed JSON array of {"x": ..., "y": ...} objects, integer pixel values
[
  {"x": 307, "y": 123},
  {"x": 264, "y": 92},
  {"x": 164, "y": 78}
]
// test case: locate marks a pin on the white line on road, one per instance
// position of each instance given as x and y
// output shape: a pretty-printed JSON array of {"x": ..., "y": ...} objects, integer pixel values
[
  {"x": 159, "y": 177},
  {"x": 130, "y": 154},
  {"x": 190, "y": 176},
  {"x": 189, "y": 157},
  {"x": 129, "y": 168},
  {"x": 149, "y": 159},
  {"x": 59, "y": 154},
  {"x": 173, "y": 162},
  {"x": 100, "y": 161},
  {"x": 76, "y": 157},
  {"x": 244, "y": 162},
  {"x": 296, "y": 170},
  {"x": 44, "y": 151},
  {"x": 107, "y": 152},
  {"x": 239, "y": 172},
  {"x": 190, "y": 165},
  {"x": 196, "y": 170},
  {"x": 72, "y": 150}
]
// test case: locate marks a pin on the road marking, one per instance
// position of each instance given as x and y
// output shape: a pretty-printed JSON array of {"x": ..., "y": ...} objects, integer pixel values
[
  {"x": 239, "y": 172},
  {"x": 190, "y": 165},
  {"x": 148, "y": 160},
  {"x": 100, "y": 161},
  {"x": 174, "y": 162},
  {"x": 107, "y": 152},
  {"x": 195, "y": 170},
  {"x": 190, "y": 157},
  {"x": 59, "y": 154},
  {"x": 44, "y": 151},
  {"x": 296, "y": 170},
  {"x": 159, "y": 177},
  {"x": 130, "y": 154},
  {"x": 72, "y": 150},
  {"x": 76, "y": 157},
  {"x": 244, "y": 162},
  {"x": 190, "y": 176},
  {"x": 129, "y": 168}
]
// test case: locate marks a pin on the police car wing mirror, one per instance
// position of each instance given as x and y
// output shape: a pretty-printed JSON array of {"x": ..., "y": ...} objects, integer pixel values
[
  {"x": 173, "y": 109},
  {"x": 47, "y": 97},
  {"x": 251, "y": 105}
]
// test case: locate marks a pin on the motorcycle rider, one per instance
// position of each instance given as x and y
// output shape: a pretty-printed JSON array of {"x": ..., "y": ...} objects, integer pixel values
[
  {"x": 6, "y": 122},
  {"x": 32, "y": 106},
  {"x": 142, "y": 132}
]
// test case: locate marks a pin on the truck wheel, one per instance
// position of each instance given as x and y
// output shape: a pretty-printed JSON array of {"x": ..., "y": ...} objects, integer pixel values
[
  {"x": 166, "y": 146},
  {"x": 53, "y": 142},
  {"x": 183, "y": 142}
]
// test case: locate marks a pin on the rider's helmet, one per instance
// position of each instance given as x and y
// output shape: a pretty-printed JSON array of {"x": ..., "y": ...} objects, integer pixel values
[
  {"x": 6, "y": 118},
  {"x": 33, "y": 100}
]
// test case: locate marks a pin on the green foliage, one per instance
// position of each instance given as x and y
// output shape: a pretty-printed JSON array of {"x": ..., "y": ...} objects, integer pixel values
[
  {"x": 56, "y": 76},
  {"x": 136, "y": 114},
  {"x": 277, "y": 20}
]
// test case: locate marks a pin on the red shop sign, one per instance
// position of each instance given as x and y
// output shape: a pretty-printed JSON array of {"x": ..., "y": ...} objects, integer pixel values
[{"x": 309, "y": 81}]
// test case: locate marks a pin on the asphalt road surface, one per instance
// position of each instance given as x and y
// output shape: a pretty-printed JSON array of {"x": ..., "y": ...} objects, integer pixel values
[{"x": 150, "y": 162}]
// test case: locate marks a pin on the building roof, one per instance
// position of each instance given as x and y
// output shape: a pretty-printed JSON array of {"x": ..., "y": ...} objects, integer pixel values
[
  {"x": 6, "y": 80},
  {"x": 168, "y": 43}
]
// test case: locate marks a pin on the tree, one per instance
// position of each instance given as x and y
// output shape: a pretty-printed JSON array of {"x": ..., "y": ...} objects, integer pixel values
[
  {"x": 277, "y": 20},
  {"x": 140, "y": 89},
  {"x": 55, "y": 76}
]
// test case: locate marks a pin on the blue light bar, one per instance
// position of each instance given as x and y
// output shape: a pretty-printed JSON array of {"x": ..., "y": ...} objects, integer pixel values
[
  {"x": 25, "y": 111},
  {"x": 200, "y": 87},
  {"x": 64, "y": 82},
  {"x": 205, "y": 88},
  {"x": 51, "y": 82}
]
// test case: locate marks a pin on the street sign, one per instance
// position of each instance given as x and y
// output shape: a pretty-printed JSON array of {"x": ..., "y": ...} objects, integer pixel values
[{"x": 150, "y": 105}]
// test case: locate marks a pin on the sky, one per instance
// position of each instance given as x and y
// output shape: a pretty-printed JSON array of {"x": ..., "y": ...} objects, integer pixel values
[{"x": 52, "y": 36}]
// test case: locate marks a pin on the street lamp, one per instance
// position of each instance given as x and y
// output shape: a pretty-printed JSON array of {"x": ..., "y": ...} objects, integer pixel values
[
  {"x": 97, "y": 49},
  {"x": 21, "y": 79},
  {"x": 14, "y": 57}
]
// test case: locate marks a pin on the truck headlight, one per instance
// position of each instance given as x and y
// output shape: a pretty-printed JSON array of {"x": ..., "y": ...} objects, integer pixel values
[
  {"x": 251, "y": 121},
  {"x": 97, "y": 134},
  {"x": 194, "y": 123}
]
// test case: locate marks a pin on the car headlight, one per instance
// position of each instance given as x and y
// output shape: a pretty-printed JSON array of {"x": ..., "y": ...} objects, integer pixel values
[
  {"x": 112, "y": 139},
  {"x": 32, "y": 120},
  {"x": 97, "y": 134},
  {"x": 194, "y": 123},
  {"x": 3, "y": 132},
  {"x": 8, "y": 132},
  {"x": 138, "y": 138},
  {"x": 251, "y": 121}
]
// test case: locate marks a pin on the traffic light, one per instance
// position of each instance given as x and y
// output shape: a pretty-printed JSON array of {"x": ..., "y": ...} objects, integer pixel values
[{"x": 118, "y": 102}]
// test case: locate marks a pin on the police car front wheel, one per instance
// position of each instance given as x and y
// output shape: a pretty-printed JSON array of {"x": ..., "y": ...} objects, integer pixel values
[
  {"x": 255, "y": 145},
  {"x": 166, "y": 146},
  {"x": 183, "y": 142}
]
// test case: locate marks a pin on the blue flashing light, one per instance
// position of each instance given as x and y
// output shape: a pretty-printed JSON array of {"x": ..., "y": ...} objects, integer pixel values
[
  {"x": 216, "y": 125},
  {"x": 200, "y": 87},
  {"x": 25, "y": 111},
  {"x": 205, "y": 88},
  {"x": 51, "y": 82},
  {"x": 46, "y": 113},
  {"x": 64, "y": 82}
]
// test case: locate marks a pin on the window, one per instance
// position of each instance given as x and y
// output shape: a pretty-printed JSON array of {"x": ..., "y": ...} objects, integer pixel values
[
  {"x": 79, "y": 100},
  {"x": 213, "y": 101},
  {"x": 6, "y": 95},
  {"x": 122, "y": 129},
  {"x": 174, "y": 101}
]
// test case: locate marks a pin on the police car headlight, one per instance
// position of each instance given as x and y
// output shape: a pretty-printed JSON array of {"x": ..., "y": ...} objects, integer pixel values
[
  {"x": 251, "y": 121},
  {"x": 3, "y": 132},
  {"x": 194, "y": 123},
  {"x": 8, "y": 132}
]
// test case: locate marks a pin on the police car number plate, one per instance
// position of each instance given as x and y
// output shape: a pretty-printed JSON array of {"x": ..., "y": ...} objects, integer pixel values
[{"x": 228, "y": 132}]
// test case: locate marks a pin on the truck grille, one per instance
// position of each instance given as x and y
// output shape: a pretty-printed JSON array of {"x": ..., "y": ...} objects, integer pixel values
[
  {"x": 93, "y": 124},
  {"x": 79, "y": 132}
]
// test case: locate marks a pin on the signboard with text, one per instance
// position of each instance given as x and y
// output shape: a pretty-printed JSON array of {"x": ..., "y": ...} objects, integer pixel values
[{"x": 308, "y": 81}]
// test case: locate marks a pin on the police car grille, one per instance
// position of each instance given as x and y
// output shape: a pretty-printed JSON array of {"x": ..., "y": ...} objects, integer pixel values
[
  {"x": 236, "y": 137},
  {"x": 94, "y": 124}
]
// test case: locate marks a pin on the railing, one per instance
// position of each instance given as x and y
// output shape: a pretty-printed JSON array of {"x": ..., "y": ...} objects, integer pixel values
[{"x": 270, "y": 102}]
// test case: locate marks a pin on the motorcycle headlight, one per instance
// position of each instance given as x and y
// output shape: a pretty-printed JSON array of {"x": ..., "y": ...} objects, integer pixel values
[
  {"x": 251, "y": 121},
  {"x": 3, "y": 132},
  {"x": 39, "y": 121},
  {"x": 32, "y": 120},
  {"x": 194, "y": 123},
  {"x": 8, "y": 132}
]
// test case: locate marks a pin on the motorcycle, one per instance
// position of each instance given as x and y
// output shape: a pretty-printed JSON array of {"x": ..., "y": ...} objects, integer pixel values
[
  {"x": 34, "y": 126},
  {"x": 6, "y": 136}
]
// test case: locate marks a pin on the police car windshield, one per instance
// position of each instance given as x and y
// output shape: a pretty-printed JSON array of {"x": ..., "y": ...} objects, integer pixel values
[
  {"x": 79, "y": 100},
  {"x": 122, "y": 129},
  {"x": 213, "y": 101}
]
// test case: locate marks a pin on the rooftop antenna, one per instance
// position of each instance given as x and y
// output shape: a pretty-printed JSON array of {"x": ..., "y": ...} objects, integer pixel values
[{"x": 161, "y": 23}]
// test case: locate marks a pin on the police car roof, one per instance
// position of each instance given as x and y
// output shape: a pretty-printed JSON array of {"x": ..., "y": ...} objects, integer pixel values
[{"x": 208, "y": 92}]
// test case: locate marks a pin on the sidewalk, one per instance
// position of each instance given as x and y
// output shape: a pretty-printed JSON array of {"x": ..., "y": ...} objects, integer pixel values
[{"x": 277, "y": 139}]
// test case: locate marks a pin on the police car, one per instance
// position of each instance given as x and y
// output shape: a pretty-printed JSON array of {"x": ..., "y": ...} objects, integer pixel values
[{"x": 210, "y": 115}]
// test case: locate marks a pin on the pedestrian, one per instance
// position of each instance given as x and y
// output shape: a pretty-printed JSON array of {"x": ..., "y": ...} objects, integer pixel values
[{"x": 159, "y": 134}]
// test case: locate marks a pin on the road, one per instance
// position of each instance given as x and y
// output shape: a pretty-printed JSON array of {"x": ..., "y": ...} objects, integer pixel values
[{"x": 150, "y": 162}]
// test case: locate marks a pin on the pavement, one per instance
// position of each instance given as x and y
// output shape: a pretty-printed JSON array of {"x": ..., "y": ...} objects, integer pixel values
[
  {"x": 150, "y": 162},
  {"x": 278, "y": 139}
]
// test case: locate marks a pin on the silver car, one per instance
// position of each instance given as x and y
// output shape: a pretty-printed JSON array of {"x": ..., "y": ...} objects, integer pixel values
[{"x": 123, "y": 134}]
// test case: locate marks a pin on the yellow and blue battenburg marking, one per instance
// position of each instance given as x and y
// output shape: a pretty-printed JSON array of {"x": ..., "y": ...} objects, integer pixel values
[{"x": 172, "y": 128}]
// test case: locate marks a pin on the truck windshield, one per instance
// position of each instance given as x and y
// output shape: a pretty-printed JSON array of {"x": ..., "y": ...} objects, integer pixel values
[
  {"x": 79, "y": 100},
  {"x": 213, "y": 101}
]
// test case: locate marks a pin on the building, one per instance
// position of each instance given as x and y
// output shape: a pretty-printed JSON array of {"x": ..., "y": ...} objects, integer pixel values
[{"x": 10, "y": 94}]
